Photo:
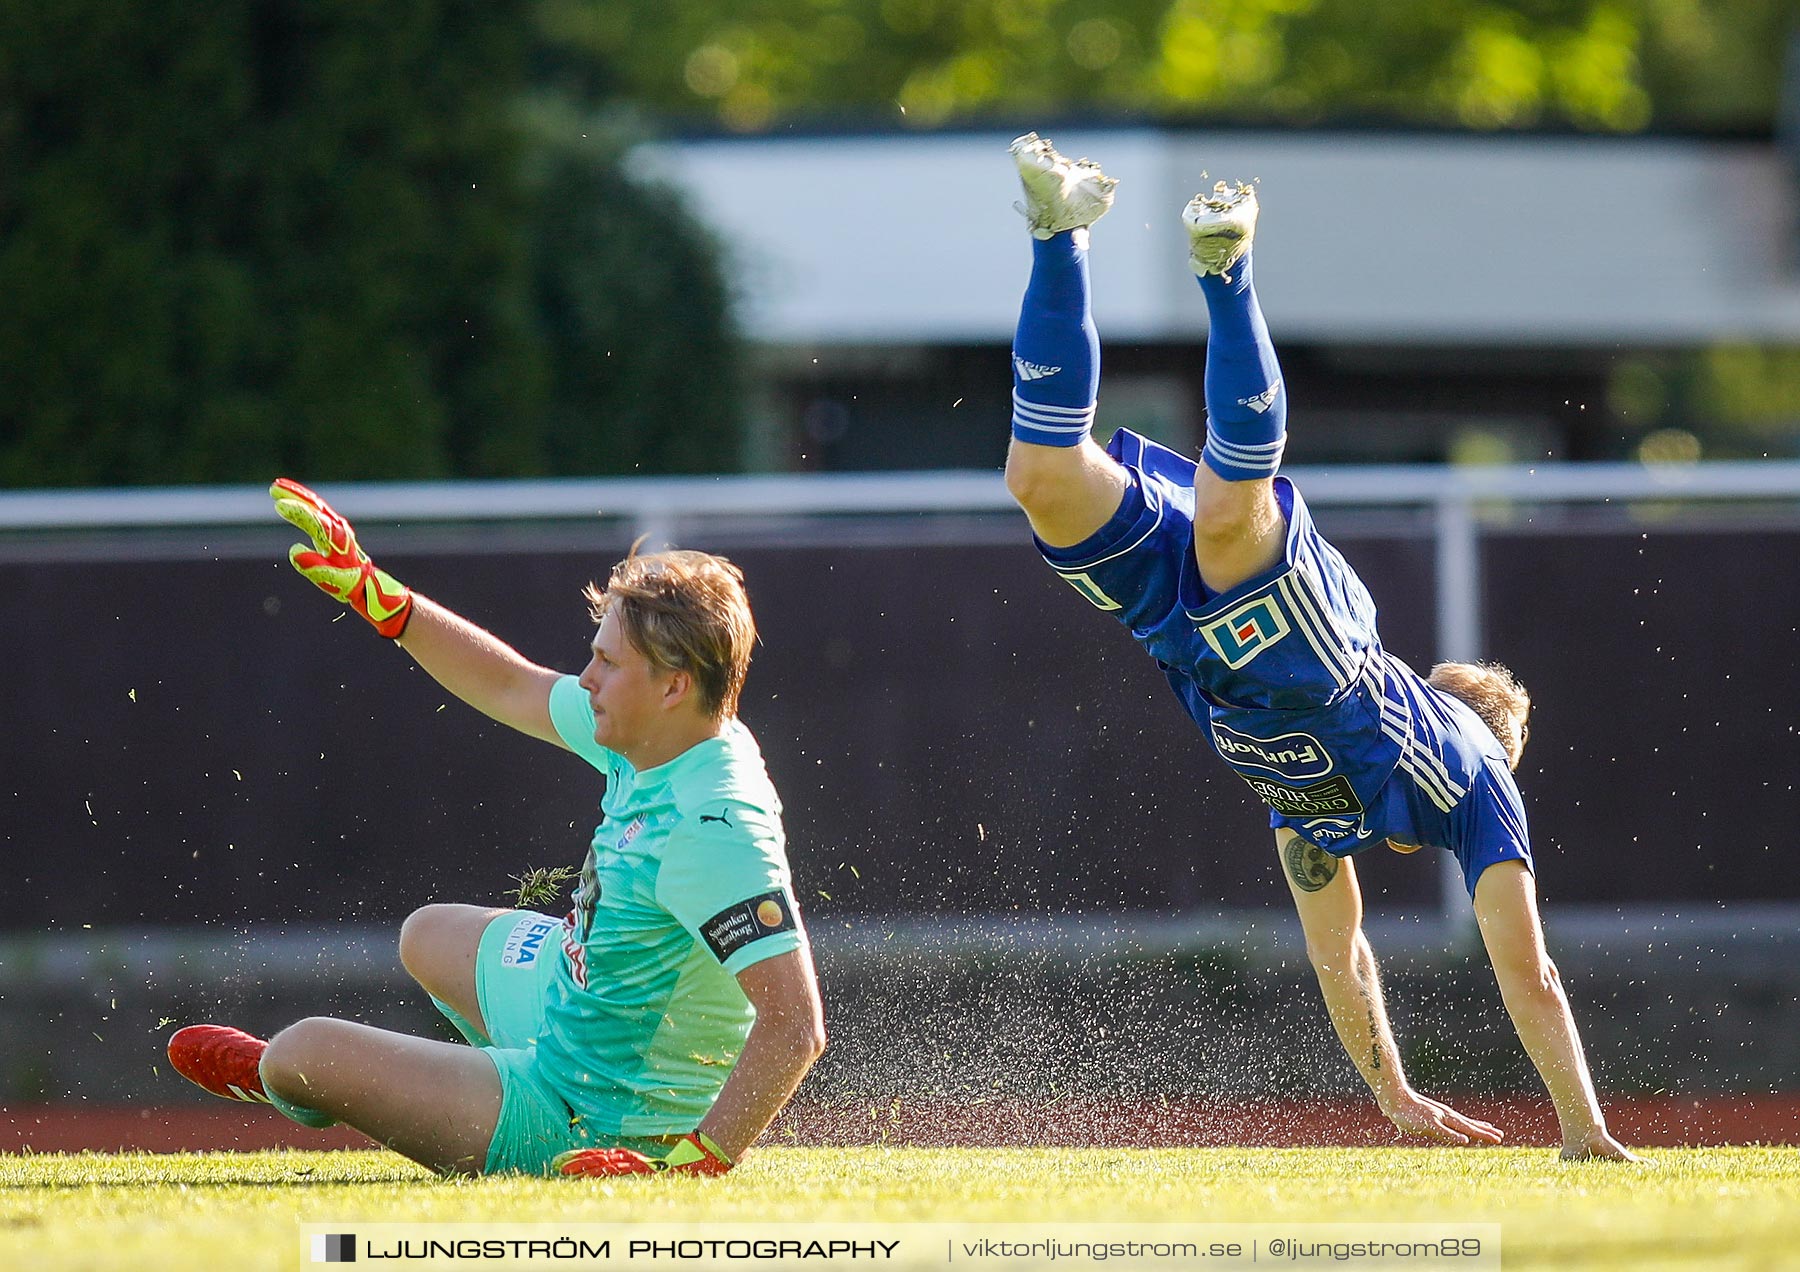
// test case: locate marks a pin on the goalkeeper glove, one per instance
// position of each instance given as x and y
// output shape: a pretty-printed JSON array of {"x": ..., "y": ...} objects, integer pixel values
[
  {"x": 337, "y": 564},
  {"x": 693, "y": 1154}
]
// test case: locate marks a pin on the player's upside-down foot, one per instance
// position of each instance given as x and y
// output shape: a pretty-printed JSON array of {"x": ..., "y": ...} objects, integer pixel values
[
  {"x": 1060, "y": 193},
  {"x": 1221, "y": 225},
  {"x": 223, "y": 1060}
]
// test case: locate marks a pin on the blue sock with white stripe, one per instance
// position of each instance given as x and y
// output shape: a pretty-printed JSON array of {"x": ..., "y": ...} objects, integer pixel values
[
  {"x": 1246, "y": 402},
  {"x": 1056, "y": 351}
]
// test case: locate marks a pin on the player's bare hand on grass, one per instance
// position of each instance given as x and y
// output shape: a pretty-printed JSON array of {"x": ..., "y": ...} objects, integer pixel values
[
  {"x": 336, "y": 563},
  {"x": 1426, "y": 1118},
  {"x": 1601, "y": 1147},
  {"x": 693, "y": 1154}
]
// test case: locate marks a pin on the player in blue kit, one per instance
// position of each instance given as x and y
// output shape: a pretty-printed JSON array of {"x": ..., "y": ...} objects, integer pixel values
[{"x": 1268, "y": 638}]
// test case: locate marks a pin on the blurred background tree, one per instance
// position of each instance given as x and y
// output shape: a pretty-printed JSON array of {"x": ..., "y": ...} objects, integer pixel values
[
  {"x": 1599, "y": 64},
  {"x": 1733, "y": 401},
  {"x": 344, "y": 240},
  {"x": 326, "y": 238},
  {"x": 246, "y": 235},
  {"x": 631, "y": 308}
]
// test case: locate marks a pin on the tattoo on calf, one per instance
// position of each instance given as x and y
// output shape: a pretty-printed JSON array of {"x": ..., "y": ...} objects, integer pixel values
[{"x": 1309, "y": 866}]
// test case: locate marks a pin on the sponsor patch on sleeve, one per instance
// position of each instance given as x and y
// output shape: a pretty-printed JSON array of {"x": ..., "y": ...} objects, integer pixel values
[{"x": 734, "y": 927}]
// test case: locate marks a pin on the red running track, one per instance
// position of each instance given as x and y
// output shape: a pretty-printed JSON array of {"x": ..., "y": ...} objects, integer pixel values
[{"x": 1649, "y": 1122}]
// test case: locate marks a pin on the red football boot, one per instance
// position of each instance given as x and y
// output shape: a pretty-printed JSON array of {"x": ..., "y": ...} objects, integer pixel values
[
  {"x": 221, "y": 1059},
  {"x": 692, "y": 1154}
]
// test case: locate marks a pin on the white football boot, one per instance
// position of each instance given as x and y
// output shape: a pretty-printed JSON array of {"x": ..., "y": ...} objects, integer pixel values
[
  {"x": 1221, "y": 226},
  {"x": 1060, "y": 194}
]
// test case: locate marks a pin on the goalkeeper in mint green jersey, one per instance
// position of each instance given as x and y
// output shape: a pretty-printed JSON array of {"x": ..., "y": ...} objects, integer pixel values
[{"x": 664, "y": 1022}]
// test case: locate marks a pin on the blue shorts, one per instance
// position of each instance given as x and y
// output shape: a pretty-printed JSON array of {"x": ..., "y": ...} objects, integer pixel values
[
  {"x": 514, "y": 966},
  {"x": 1300, "y": 636},
  {"x": 1286, "y": 675}
]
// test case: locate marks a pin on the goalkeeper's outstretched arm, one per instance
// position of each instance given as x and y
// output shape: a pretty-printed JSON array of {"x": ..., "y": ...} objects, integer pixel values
[
  {"x": 475, "y": 665},
  {"x": 481, "y": 669}
]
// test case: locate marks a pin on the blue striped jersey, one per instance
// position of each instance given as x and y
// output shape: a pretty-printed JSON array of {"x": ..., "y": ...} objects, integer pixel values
[{"x": 1286, "y": 675}]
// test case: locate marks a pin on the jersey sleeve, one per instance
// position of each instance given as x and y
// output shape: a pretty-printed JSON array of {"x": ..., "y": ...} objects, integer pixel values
[
  {"x": 1492, "y": 828},
  {"x": 572, "y": 716},
  {"x": 725, "y": 879}
]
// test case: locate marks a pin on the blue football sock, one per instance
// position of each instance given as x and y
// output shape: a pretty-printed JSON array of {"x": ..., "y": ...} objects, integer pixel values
[
  {"x": 1056, "y": 351},
  {"x": 1246, "y": 402}
]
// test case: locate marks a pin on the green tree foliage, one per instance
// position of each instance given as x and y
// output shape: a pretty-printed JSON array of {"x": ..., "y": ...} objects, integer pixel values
[
  {"x": 1599, "y": 64},
  {"x": 318, "y": 236},
  {"x": 1742, "y": 400},
  {"x": 247, "y": 232},
  {"x": 633, "y": 311}
]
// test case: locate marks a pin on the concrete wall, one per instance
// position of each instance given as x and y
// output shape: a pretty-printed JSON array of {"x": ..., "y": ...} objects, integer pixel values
[{"x": 199, "y": 737}]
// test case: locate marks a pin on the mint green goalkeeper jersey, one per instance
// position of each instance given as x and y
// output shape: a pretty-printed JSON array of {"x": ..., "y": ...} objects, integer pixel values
[{"x": 686, "y": 884}]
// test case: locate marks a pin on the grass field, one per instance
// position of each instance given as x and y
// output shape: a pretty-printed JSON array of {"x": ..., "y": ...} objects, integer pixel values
[{"x": 1699, "y": 1208}]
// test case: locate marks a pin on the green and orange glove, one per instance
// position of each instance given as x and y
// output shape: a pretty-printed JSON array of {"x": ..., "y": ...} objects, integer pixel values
[
  {"x": 693, "y": 1154},
  {"x": 337, "y": 564}
]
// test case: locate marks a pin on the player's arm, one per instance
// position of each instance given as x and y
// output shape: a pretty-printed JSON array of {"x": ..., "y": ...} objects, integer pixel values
[
  {"x": 1330, "y": 904},
  {"x": 788, "y": 1035},
  {"x": 481, "y": 669},
  {"x": 1506, "y": 908},
  {"x": 475, "y": 665}
]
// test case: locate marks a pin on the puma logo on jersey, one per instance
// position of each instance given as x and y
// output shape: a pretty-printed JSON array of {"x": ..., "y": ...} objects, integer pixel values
[
  {"x": 1262, "y": 401},
  {"x": 1029, "y": 371},
  {"x": 722, "y": 817}
]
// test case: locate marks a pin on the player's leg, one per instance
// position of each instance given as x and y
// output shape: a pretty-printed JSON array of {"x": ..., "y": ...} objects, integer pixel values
[
  {"x": 435, "y": 1102},
  {"x": 438, "y": 947},
  {"x": 1238, "y": 526},
  {"x": 1068, "y": 486}
]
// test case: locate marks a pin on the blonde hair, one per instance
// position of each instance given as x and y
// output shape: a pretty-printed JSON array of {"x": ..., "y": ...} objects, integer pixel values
[
  {"x": 684, "y": 611},
  {"x": 1492, "y": 692}
]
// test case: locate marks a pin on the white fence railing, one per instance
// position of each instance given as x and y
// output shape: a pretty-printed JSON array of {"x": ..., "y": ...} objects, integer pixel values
[{"x": 658, "y": 500}]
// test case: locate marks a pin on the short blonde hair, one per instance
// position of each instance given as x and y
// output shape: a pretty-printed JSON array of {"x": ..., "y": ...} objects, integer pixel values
[
  {"x": 1492, "y": 692},
  {"x": 684, "y": 611}
]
